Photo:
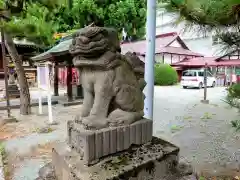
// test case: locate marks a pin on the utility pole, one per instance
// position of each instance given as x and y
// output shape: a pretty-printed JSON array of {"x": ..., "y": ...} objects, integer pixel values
[
  {"x": 5, "y": 72},
  {"x": 150, "y": 59}
]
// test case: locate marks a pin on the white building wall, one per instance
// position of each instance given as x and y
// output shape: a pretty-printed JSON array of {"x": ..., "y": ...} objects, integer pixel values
[
  {"x": 175, "y": 44},
  {"x": 200, "y": 45},
  {"x": 168, "y": 58},
  {"x": 194, "y": 39}
]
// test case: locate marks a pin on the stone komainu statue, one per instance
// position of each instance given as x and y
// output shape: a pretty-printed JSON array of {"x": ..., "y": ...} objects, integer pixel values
[
  {"x": 112, "y": 92},
  {"x": 137, "y": 66}
]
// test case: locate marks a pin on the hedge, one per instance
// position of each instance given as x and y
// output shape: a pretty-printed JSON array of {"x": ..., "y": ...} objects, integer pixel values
[{"x": 165, "y": 75}]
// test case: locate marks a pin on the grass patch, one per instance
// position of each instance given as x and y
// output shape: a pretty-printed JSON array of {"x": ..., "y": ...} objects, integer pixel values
[
  {"x": 187, "y": 117},
  {"x": 236, "y": 124},
  {"x": 206, "y": 116},
  {"x": 44, "y": 130},
  {"x": 4, "y": 161},
  {"x": 175, "y": 128}
]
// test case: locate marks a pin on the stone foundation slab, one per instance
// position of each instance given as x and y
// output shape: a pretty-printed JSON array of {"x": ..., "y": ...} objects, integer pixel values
[
  {"x": 95, "y": 144},
  {"x": 154, "y": 160}
]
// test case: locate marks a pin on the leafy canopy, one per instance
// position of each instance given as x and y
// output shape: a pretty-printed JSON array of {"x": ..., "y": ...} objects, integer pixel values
[
  {"x": 222, "y": 16},
  {"x": 213, "y": 13},
  {"x": 38, "y": 20}
]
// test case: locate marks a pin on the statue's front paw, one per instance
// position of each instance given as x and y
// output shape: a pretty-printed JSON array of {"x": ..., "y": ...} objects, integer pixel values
[
  {"x": 94, "y": 122},
  {"x": 78, "y": 119},
  {"x": 120, "y": 117}
]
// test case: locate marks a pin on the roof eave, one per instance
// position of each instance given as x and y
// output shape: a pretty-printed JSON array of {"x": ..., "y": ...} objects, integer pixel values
[{"x": 46, "y": 57}]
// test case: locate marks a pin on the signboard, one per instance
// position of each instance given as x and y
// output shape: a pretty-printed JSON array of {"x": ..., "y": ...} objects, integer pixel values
[
  {"x": 42, "y": 78},
  {"x": 237, "y": 71},
  {"x": 31, "y": 77}
]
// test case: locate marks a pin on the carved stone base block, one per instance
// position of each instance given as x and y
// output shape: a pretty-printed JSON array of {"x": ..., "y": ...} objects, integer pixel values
[
  {"x": 13, "y": 91},
  {"x": 155, "y": 160},
  {"x": 95, "y": 144}
]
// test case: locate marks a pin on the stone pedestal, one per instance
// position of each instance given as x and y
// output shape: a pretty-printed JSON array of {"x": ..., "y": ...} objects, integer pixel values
[
  {"x": 155, "y": 160},
  {"x": 13, "y": 91},
  {"x": 93, "y": 145},
  {"x": 114, "y": 153}
]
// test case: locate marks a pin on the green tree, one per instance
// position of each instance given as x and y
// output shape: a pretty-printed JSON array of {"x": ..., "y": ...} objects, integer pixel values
[
  {"x": 11, "y": 10},
  {"x": 38, "y": 20},
  {"x": 222, "y": 16},
  {"x": 130, "y": 15}
]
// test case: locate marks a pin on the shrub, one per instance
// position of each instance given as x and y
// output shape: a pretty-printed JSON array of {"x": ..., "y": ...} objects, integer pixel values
[
  {"x": 234, "y": 91},
  {"x": 233, "y": 99},
  {"x": 165, "y": 75},
  {"x": 233, "y": 96}
]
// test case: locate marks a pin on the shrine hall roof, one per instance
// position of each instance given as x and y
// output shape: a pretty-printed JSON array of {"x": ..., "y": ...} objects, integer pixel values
[{"x": 59, "y": 49}]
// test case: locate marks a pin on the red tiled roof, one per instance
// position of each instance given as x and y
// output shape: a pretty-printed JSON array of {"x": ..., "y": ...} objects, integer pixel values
[
  {"x": 162, "y": 45},
  {"x": 139, "y": 47},
  {"x": 176, "y": 50},
  {"x": 227, "y": 62},
  {"x": 211, "y": 61},
  {"x": 199, "y": 61}
]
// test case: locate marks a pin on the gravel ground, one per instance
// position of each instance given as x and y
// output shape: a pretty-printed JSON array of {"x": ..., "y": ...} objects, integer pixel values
[
  {"x": 203, "y": 132},
  {"x": 23, "y": 141}
]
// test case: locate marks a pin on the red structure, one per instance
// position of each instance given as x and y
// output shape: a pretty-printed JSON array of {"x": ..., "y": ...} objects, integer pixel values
[
  {"x": 62, "y": 76},
  {"x": 230, "y": 60},
  {"x": 170, "y": 48}
]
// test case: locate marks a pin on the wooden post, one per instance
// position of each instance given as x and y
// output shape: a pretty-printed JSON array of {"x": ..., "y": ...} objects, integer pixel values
[
  {"x": 56, "y": 92},
  {"x": 49, "y": 97},
  {"x": 69, "y": 81}
]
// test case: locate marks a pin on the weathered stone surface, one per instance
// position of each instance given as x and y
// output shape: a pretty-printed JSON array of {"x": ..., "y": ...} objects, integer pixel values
[
  {"x": 47, "y": 172},
  {"x": 111, "y": 86},
  {"x": 189, "y": 177},
  {"x": 95, "y": 144},
  {"x": 138, "y": 67},
  {"x": 154, "y": 160},
  {"x": 184, "y": 168}
]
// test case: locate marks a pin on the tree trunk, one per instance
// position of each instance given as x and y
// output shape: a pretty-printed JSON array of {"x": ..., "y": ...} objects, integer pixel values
[{"x": 25, "y": 107}]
